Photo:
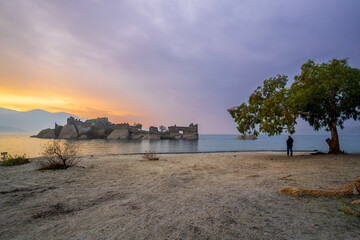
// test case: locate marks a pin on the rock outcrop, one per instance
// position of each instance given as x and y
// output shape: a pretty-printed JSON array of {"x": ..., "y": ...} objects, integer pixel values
[
  {"x": 139, "y": 136},
  {"x": 145, "y": 136},
  {"x": 190, "y": 136},
  {"x": 83, "y": 129},
  {"x": 101, "y": 128},
  {"x": 46, "y": 133},
  {"x": 246, "y": 137},
  {"x": 68, "y": 131},
  {"x": 119, "y": 134},
  {"x": 152, "y": 137}
]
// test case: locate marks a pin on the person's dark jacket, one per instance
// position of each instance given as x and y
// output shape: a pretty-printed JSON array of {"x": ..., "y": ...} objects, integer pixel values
[{"x": 289, "y": 142}]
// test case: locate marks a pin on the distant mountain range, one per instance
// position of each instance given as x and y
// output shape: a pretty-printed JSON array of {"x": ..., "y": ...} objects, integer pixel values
[{"x": 33, "y": 121}]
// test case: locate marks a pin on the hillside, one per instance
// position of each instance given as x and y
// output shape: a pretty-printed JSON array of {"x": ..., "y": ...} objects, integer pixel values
[{"x": 32, "y": 121}]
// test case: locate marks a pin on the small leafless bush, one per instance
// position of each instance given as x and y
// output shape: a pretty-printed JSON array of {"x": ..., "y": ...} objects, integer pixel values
[
  {"x": 58, "y": 155},
  {"x": 150, "y": 155}
]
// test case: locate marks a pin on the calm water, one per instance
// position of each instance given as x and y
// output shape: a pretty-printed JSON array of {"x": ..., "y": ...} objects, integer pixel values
[{"x": 16, "y": 143}]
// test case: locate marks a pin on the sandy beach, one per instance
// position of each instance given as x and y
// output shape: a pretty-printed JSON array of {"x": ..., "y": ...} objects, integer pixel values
[{"x": 181, "y": 196}]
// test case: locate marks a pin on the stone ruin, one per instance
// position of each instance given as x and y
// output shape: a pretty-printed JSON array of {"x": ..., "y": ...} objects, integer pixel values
[
  {"x": 102, "y": 128},
  {"x": 190, "y": 132}
]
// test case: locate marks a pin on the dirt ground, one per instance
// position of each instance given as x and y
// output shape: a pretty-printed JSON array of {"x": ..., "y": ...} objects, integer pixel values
[{"x": 184, "y": 196}]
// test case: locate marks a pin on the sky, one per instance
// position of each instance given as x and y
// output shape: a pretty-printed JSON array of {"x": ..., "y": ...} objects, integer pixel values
[{"x": 163, "y": 62}]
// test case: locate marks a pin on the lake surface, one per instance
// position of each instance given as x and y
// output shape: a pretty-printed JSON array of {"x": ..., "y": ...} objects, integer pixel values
[{"x": 18, "y": 143}]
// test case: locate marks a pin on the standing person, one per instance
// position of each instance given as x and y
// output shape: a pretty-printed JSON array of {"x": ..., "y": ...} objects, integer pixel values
[{"x": 289, "y": 144}]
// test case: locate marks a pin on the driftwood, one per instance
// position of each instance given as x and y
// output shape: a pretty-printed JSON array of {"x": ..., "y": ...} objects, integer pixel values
[{"x": 347, "y": 190}]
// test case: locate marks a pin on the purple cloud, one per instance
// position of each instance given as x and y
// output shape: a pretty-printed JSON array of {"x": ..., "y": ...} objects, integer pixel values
[{"x": 181, "y": 61}]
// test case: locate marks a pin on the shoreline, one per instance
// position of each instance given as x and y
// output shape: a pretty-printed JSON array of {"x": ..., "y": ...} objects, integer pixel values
[
  {"x": 192, "y": 153},
  {"x": 309, "y": 152}
]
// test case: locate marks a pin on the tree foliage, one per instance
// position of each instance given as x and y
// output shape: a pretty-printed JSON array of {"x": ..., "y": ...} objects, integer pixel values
[
  {"x": 327, "y": 93},
  {"x": 324, "y": 95},
  {"x": 137, "y": 125},
  {"x": 162, "y": 129}
]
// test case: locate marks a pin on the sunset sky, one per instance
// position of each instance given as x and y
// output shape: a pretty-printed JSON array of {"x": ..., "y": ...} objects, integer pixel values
[{"x": 163, "y": 61}]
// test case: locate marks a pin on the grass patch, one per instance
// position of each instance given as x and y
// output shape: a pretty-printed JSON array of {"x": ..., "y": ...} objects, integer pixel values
[
  {"x": 14, "y": 160},
  {"x": 143, "y": 131},
  {"x": 347, "y": 203}
]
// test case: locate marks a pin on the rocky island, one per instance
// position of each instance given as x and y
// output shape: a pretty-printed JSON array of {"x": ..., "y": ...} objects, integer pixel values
[{"x": 102, "y": 128}]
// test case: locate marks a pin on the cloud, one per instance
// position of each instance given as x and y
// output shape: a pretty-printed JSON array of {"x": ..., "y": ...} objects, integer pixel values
[{"x": 167, "y": 61}]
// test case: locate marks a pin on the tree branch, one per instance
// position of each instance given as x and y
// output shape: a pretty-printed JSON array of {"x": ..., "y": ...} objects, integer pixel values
[{"x": 317, "y": 115}]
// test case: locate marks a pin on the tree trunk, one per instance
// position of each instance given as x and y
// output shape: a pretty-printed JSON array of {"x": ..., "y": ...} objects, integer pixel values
[{"x": 334, "y": 146}]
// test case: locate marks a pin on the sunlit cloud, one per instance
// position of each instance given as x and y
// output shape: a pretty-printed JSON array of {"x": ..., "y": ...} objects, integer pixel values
[
  {"x": 65, "y": 104},
  {"x": 24, "y": 103}
]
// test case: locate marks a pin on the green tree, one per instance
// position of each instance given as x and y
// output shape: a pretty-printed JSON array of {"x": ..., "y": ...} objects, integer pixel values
[
  {"x": 162, "y": 129},
  {"x": 137, "y": 125},
  {"x": 324, "y": 95}
]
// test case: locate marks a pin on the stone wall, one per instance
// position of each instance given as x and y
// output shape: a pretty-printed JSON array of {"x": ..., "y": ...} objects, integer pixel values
[
  {"x": 179, "y": 132},
  {"x": 153, "y": 129}
]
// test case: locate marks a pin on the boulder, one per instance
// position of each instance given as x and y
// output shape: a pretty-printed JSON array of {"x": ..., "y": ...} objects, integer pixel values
[
  {"x": 46, "y": 133},
  {"x": 187, "y": 136},
  {"x": 246, "y": 137},
  {"x": 119, "y": 134},
  {"x": 139, "y": 136},
  {"x": 68, "y": 131},
  {"x": 191, "y": 136},
  {"x": 151, "y": 137},
  {"x": 82, "y": 129}
]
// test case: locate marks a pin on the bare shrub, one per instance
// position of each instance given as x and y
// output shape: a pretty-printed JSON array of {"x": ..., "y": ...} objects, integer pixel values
[
  {"x": 150, "y": 155},
  {"x": 58, "y": 155}
]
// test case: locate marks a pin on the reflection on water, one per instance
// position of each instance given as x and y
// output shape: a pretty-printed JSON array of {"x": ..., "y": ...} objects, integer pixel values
[
  {"x": 16, "y": 143},
  {"x": 96, "y": 146}
]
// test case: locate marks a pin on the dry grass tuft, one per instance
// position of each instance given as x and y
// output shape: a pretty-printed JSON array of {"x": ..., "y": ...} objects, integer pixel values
[
  {"x": 356, "y": 202},
  {"x": 346, "y": 190},
  {"x": 151, "y": 156}
]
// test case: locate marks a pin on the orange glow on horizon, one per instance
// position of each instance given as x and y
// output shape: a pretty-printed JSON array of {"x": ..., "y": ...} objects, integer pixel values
[{"x": 76, "y": 106}]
